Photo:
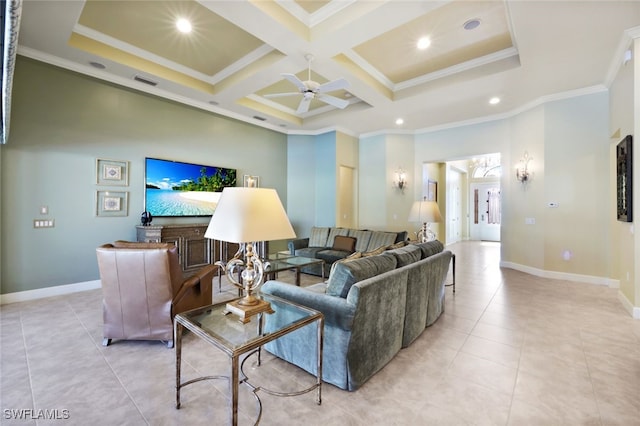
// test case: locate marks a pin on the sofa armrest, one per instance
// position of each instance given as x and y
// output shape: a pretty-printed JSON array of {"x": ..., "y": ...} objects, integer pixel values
[
  {"x": 336, "y": 310},
  {"x": 297, "y": 244}
]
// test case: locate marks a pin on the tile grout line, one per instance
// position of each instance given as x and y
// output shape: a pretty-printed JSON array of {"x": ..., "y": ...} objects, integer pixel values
[
  {"x": 106, "y": 361},
  {"x": 26, "y": 359}
]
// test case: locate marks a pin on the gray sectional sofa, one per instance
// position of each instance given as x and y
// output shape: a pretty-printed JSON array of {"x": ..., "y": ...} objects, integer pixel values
[
  {"x": 373, "y": 307},
  {"x": 321, "y": 244}
]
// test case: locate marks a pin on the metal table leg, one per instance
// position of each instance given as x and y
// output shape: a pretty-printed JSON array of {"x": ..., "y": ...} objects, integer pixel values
[{"x": 453, "y": 264}]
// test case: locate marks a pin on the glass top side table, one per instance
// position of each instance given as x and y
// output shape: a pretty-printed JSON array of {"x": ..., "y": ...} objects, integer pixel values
[{"x": 232, "y": 337}]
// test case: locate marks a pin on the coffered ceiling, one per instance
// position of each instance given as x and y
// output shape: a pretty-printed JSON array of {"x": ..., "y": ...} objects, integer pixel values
[{"x": 232, "y": 60}]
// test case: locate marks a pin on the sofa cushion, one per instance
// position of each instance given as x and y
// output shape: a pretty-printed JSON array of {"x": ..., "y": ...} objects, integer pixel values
[
  {"x": 381, "y": 239},
  {"x": 343, "y": 243},
  {"x": 430, "y": 248},
  {"x": 309, "y": 251},
  {"x": 346, "y": 274},
  {"x": 362, "y": 238},
  {"x": 352, "y": 256},
  {"x": 318, "y": 237},
  {"x": 401, "y": 236},
  {"x": 329, "y": 256},
  {"x": 406, "y": 255},
  {"x": 336, "y": 231}
]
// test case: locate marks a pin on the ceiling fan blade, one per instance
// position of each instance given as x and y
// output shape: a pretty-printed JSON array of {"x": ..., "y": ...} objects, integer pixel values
[
  {"x": 296, "y": 81},
  {"x": 281, "y": 95},
  {"x": 304, "y": 105},
  {"x": 338, "y": 84},
  {"x": 332, "y": 100}
]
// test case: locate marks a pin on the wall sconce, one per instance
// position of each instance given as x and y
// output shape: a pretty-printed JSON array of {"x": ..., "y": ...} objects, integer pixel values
[
  {"x": 401, "y": 180},
  {"x": 522, "y": 169}
]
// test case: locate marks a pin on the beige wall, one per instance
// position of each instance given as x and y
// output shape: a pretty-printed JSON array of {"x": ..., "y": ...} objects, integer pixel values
[
  {"x": 622, "y": 238},
  {"x": 347, "y": 197},
  {"x": 567, "y": 140}
]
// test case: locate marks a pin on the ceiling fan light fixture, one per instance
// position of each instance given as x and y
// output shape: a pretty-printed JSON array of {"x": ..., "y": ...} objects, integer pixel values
[{"x": 183, "y": 25}]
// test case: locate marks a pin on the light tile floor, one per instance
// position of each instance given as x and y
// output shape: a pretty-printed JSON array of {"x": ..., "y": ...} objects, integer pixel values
[{"x": 510, "y": 349}]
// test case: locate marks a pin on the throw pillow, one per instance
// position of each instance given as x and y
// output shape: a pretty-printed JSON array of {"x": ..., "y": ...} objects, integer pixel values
[
  {"x": 397, "y": 245},
  {"x": 344, "y": 243},
  {"x": 379, "y": 250}
]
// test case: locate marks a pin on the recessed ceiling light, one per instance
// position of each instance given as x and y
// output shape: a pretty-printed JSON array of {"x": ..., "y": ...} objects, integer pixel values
[
  {"x": 494, "y": 100},
  {"x": 399, "y": 121},
  {"x": 423, "y": 43},
  {"x": 184, "y": 26},
  {"x": 214, "y": 103},
  {"x": 97, "y": 65},
  {"x": 471, "y": 24}
]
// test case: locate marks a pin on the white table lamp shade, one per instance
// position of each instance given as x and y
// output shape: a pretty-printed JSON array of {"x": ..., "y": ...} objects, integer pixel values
[
  {"x": 248, "y": 215},
  {"x": 424, "y": 212}
]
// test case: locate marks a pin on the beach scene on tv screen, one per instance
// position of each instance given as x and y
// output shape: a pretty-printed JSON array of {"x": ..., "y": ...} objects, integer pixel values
[{"x": 183, "y": 189}]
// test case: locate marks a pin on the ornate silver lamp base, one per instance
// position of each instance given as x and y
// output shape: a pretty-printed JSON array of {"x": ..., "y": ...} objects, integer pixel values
[
  {"x": 426, "y": 234},
  {"x": 252, "y": 276}
]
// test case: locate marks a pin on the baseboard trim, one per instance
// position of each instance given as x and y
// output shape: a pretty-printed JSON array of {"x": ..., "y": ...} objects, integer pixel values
[
  {"x": 634, "y": 311},
  {"x": 589, "y": 279},
  {"x": 41, "y": 293}
]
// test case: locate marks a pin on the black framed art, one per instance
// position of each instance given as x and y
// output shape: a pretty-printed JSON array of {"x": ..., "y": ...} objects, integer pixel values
[{"x": 624, "y": 179}]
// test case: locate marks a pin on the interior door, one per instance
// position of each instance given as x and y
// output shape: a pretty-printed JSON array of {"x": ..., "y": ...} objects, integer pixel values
[{"x": 486, "y": 213}]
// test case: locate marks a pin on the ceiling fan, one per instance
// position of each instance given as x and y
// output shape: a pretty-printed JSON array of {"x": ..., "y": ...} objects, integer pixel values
[{"x": 312, "y": 90}]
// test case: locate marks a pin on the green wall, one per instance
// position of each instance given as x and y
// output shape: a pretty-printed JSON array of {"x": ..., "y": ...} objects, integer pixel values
[{"x": 61, "y": 123}]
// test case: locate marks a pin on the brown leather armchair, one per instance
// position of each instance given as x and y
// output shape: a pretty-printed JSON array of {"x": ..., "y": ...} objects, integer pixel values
[{"x": 143, "y": 290}]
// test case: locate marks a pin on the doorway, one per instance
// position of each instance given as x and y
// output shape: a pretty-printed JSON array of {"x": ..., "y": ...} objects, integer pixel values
[{"x": 486, "y": 214}]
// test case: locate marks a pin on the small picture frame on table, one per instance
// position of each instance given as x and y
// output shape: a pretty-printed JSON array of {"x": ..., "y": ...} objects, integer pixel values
[
  {"x": 251, "y": 181},
  {"x": 112, "y": 172},
  {"x": 112, "y": 203}
]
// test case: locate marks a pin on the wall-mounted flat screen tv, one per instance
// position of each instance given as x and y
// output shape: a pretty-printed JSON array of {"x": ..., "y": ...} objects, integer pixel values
[{"x": 174, "y": 188}]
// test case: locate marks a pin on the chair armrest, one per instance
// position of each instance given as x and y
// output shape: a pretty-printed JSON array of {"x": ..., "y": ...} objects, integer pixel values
[
  {"x": 297, "y": 244},
  {"x": 336, "y": 310},
  {"x": 203, "y": 277}
]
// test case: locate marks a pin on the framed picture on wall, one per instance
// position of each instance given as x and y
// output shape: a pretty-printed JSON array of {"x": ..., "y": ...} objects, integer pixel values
[
  {"x": 432, "y": 190},
  {"x": 112, "y": 203},
  {"x": 112, "y": 172},
  {"x": 624, "y": 180},
  {"x": 249, "y": 181}
]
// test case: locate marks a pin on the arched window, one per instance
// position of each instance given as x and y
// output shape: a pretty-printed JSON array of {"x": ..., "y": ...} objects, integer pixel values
[{"x": 485, "y": 167}]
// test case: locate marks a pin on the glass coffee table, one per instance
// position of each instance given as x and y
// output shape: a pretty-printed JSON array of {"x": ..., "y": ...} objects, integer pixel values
[
  {"x": 279, "y": 262},
  {"x": 232, "y": 337},
  {"x": 282, "y": 262}
]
